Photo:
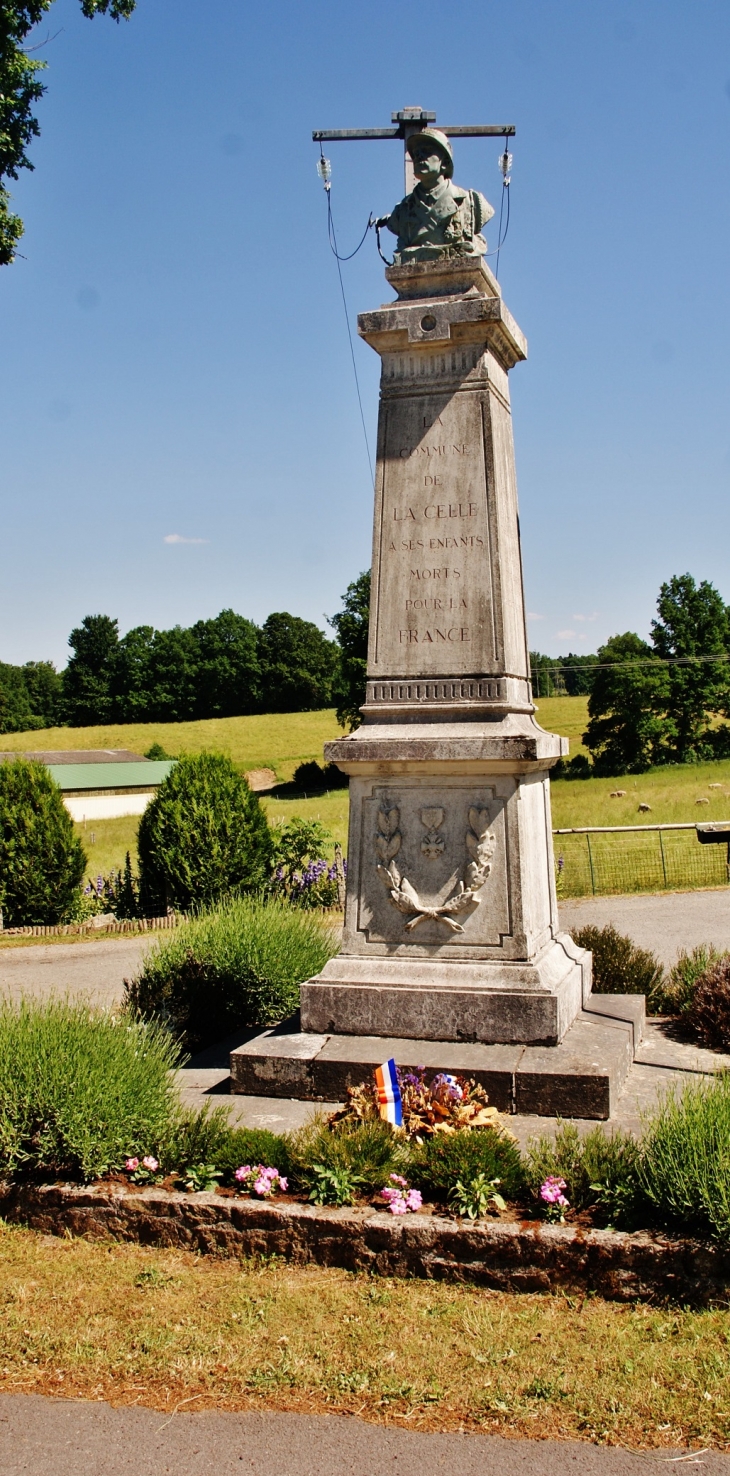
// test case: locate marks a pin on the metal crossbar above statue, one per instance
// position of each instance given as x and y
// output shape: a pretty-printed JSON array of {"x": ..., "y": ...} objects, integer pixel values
[{"x": 436, "y": 218}]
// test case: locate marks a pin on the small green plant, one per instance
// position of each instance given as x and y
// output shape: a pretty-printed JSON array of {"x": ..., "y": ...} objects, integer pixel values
[
  {"x": 599, "y": 1171},
  {"x": 477, "y": 1197},
  {"x": 260, "y": 1179},
  {"x": 554, "y": 1200},
  {"x": 445, "y": 1159},
  {"x": 203, "y": 837},
  {"x": 42, "y": 861},
  {"x": 365, "y": 1153},
  {"x": 201, "y": 1177},
  {"x": 619, "y": 967},
  {"x": 334, "y": 1185},
  {"x": 236, "y": 967},
  {"x": 144, "y": 1170}
]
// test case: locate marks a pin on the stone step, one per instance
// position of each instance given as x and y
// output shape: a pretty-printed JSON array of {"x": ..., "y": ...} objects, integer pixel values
[{"x": 581, "y": 1077}]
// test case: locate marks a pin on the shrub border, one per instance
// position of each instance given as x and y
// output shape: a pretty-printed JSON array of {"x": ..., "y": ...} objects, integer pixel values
[{"x": 525, "y": 1256}]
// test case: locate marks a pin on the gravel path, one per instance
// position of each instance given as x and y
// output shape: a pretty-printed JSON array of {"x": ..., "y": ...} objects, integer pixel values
[{"x": 54, "y": 1437}]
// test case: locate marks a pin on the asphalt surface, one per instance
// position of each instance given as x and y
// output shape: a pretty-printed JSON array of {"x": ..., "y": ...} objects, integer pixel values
[
  {"x": 665, "y": 922},
  {"x": 95, "y": 970},
  {"x": 49, "y": 1437}
]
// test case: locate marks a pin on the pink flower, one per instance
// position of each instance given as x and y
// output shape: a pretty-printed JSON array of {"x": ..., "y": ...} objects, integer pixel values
[
  {"x": 401, "y": 1200},
  {"x": 283, "y": 1184},
  {"x": 131, "y": 1165},
  {"x": 261, "y": 1180},
  {"x": 398, "y": 1179},
  {"x": 151, "y": 1164},
  {"x": 552, "y": 1191}
]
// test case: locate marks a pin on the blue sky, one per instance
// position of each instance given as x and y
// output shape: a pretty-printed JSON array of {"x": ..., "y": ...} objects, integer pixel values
[{"x": 175, "y": 362}]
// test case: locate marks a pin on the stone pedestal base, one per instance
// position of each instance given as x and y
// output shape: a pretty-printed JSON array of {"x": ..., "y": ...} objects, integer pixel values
[
  {"x": 582, "y": 1077},
  {"x": 434, "y": 999}
]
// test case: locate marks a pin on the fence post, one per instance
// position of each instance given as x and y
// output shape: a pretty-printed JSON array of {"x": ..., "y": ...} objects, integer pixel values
[
  {"x": 590, "y": 862},
  {"x": 664, "y": 864}
]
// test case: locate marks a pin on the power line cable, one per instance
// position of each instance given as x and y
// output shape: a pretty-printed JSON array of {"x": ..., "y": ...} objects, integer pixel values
[{"x": 324, "y": 171}]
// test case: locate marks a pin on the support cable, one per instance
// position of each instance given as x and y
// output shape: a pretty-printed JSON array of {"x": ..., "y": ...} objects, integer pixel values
[{"x": 324, "y": 170}]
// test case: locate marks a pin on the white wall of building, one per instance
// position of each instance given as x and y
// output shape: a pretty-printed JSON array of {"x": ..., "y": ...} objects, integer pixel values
[{"x": 106, "y": 806}]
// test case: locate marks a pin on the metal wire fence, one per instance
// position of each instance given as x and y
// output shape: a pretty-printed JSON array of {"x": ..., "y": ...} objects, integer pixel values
[{"x": 644, "y": 858}]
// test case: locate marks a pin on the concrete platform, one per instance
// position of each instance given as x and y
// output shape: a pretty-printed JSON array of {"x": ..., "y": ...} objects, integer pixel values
[
  {"x": 582, "y": 1077},
  {"x": 662, "y": 1063}
]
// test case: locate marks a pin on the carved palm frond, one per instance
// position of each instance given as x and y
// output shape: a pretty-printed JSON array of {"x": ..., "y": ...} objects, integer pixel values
[
  {"x": 387, "y": 846},
  {"x": 479, "y": 820},
  {"x": 458, "y": 904},
  {"x": 388, "y": 821}
]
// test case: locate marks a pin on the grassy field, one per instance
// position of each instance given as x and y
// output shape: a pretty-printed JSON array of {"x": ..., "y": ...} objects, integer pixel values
[
  {"x": 277, "y": 741},
  {"x": 162, "y": 1329},
  {"x": 280, "y": 742}
]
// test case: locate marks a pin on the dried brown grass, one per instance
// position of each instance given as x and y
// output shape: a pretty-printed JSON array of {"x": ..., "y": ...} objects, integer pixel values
[{"x": 171, "y": 1330}]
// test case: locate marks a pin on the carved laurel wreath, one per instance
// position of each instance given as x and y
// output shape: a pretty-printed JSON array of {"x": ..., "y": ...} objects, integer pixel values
[{"x": 480, "y": 844}]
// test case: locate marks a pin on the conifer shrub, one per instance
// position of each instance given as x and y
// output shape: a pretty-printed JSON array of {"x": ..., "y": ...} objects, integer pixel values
[
  {"x": 206, "y": 1137},
  {"x": 204, "y": 836},
  {"x": 42, "y": 861},
  {"x": 362, "y": 1154},
  {"x": 236, "y": 967},
  {"x": 619, "y": 966}
]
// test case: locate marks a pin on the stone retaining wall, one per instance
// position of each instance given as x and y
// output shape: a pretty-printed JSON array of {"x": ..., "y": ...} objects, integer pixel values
[{"x": 513, "y": 1257}]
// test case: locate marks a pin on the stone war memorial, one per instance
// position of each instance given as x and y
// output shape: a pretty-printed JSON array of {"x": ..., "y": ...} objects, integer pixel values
[{"x": 452, "y": 955}]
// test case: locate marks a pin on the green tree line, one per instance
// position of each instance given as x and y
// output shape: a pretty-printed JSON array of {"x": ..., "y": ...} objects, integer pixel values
[{"x": 224, "y": 667}]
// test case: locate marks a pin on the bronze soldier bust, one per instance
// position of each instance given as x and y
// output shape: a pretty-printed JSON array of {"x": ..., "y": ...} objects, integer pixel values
[{"x": 438, "y": 218}]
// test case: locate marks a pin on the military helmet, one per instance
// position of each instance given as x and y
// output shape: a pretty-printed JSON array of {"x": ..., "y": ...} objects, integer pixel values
[{"x": 438, "y": 142}]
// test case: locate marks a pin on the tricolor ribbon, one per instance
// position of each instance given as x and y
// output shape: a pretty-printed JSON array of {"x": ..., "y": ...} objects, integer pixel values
[{"x": 389, "y": 1102}]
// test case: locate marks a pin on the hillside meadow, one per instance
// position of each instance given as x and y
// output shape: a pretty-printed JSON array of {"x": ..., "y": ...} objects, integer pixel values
[{"x": 282, "y": 741}]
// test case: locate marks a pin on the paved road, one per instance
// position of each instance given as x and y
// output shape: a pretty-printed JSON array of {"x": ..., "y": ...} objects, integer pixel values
[
  {"x": 97, "y": 970},
  {"x": 49, "y": 1437},
  {"x": 664, "y": 923}
]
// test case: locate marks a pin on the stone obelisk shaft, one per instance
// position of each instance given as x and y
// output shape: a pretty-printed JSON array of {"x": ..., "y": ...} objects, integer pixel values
[{"x": 451, "y": 928}]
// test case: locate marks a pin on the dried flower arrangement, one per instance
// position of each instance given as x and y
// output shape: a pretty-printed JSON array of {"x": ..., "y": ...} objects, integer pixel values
[{"x": 447, "y": 1104}]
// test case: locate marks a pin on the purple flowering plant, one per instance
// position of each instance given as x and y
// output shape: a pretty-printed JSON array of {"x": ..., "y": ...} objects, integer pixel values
[{"x": 301, "y": 871}]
